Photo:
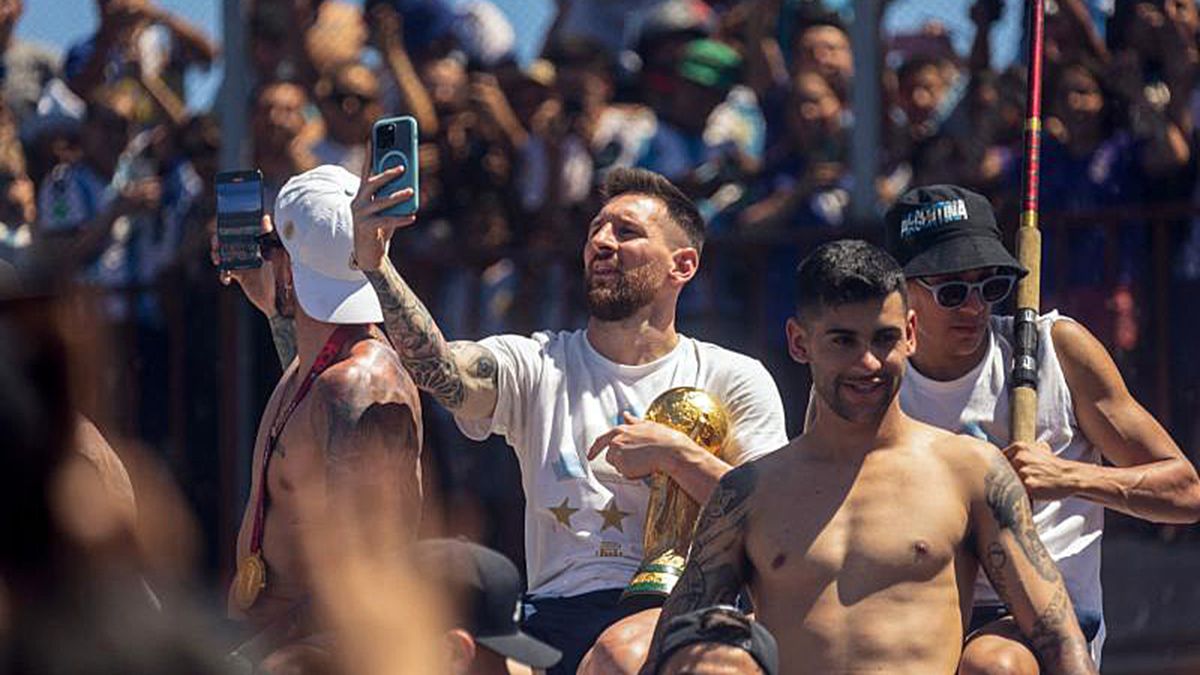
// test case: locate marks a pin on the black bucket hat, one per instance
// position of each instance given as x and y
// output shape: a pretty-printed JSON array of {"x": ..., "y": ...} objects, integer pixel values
[{"x": 945, "y": 229}]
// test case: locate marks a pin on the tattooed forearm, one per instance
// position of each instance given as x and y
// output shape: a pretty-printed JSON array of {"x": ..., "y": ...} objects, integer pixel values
[
  {"x": 283, "y": 332},
  {"x": 1059, "y": 645},
  {"x": 1010, "y": 506},
  {"x": 429, "y": 359},
  {"x": 717, "y": 566}
]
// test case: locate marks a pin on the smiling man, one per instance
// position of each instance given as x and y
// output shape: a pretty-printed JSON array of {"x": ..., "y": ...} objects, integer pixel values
[
  {"x": 569, "y": 402},
  {"x": 957, "y": 268},
  {"x": 860, "y": 540}
]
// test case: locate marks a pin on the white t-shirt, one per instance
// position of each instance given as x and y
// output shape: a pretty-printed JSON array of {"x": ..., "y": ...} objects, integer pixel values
[
  {"x": 583, "y": 521},
  {"x": 977, "y": 404}
]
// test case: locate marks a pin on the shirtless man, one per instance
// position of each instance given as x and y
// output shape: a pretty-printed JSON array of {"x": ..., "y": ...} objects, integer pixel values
[
  {"x": 569, "y": 402},
  {"x": 958, "y": 269},
  {"x": 346, "y": 415},
  {"x": 859, "y": 541}
]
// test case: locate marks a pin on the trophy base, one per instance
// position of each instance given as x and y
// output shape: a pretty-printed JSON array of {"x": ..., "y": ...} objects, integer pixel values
[{"x": 654, "y": 581}]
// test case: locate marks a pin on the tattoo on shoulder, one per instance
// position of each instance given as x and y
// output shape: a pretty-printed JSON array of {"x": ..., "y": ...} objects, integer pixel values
[
  {"x": 1011, "y": 508},
  {"x": 479, "y": 360}
]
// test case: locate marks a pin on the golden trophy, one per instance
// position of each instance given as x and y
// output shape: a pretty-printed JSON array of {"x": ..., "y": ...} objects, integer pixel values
[{"x": 671, "y": 514}]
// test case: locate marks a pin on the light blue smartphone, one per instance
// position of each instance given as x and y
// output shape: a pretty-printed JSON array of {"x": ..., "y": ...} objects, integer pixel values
[{"x": 394, "y": 143}]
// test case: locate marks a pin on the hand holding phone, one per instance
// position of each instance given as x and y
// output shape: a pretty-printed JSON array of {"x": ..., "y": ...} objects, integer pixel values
[
  {"x": 388, "y": 196},
  {"x": 239, "y": 219},
  {"x": 393, "y": 144},
  {"x": 257, "y": 284}
]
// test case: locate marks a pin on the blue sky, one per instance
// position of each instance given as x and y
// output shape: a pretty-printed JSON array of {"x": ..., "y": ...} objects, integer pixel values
[{"x": 60, "y": 22}]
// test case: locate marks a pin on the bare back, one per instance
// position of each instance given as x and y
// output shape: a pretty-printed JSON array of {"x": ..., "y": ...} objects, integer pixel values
[
  {"x": 359, "y": 425},
  {"x": 860, "y": 566}
]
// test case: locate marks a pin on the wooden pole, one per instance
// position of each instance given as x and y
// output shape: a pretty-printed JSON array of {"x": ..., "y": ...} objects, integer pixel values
[{"x": 1029, "y": 246}]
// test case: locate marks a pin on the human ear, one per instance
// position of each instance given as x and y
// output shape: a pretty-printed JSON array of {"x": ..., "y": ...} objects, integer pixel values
[
  {"x": 685, "y": 262},
  {"x": 460, "y": 650},
  {"x": 797, "y": 340}
]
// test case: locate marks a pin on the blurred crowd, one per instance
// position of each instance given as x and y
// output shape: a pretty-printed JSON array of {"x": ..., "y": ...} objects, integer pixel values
[
  {"x": 107, "y": 178},
  {"x": 106, "y": 172}
]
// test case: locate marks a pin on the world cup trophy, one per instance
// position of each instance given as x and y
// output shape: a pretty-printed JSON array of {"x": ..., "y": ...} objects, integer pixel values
[{"x": 671, "y": 514}]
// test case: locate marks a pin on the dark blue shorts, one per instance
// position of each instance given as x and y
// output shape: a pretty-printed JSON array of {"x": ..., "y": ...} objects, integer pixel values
[
  {"x": 572, "y": 624},
  {"x": 982, "y": 615}
]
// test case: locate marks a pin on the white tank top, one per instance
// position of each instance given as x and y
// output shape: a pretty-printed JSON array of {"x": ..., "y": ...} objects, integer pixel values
[{"x": 977, "y": 404}]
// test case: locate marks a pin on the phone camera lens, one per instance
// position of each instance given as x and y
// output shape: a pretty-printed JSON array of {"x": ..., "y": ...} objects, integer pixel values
[{"x": 387, "y": 136}]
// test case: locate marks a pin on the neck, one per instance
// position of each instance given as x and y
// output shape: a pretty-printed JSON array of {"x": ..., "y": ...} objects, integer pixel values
[
  {"x": 647, "y": 335},
  {"x": 838, "y": 438},
  {"x": 311, "y": 336},
  {"x": 946, "y": 367}
]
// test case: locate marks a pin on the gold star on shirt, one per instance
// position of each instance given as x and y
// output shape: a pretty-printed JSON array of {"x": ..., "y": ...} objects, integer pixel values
[
  {"x": 563, "y": 512},
  {"x": 612, "y": 516}
]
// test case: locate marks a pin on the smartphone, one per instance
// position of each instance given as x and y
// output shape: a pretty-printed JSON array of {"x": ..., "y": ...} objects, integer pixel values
[
  {"x": 394, "y": 143},
  {"x": 239, "y": 219}
]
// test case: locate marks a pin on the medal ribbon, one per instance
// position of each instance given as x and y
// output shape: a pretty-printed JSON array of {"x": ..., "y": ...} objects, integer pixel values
[{"x": 325, "y": 358}]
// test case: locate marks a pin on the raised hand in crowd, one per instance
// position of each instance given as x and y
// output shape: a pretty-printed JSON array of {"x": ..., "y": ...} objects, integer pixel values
[
  {"x": 387, "y": 34},
  {"x": 490, "y": 100}
]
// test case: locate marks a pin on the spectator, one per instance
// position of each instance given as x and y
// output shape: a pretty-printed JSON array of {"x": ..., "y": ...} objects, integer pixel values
[
  {"x": 717, "y": 640},
  {"x": 482, "y": 587},
  {"x": 348, "y": 98},
  {"x": 282, "y": 135},
  {"x": 684, "y": 141},
  {"x": 822, "y": 43},
  {"x": 1089, "y": 161},
  {"x": 803, "y": 182},
  {"x": 82, "y": 211},
  {"x": 126, "y": 51},
  {"x": 401, "y": 87},
  {"x": 26, "y": 68}
]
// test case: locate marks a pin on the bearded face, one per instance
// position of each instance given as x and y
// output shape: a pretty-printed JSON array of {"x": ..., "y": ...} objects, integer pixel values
[
  {"x": 858, "y": 398},
  {"x": 614, "y": 294}
]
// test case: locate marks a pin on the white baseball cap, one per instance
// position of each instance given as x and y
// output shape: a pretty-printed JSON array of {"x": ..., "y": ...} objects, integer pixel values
[{"x": 314, "y": 221}]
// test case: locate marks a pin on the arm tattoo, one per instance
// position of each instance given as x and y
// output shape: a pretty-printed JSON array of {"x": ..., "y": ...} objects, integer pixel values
[
  {"x": 1055, "y": 638},
  {"x": 717, "y": 566},
  {"x": 1059, "y": 649},
  {"x": 1011, "y": 509},
  {"x": 419, "y": 342},
  {"x": 283, "y": 332}
]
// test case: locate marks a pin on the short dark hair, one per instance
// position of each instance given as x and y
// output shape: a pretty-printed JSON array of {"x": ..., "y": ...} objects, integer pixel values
[
  {"x": 914, "y": 65},
  {"x": 680, "y": 208},
  {"x": 844, "y": 272}
]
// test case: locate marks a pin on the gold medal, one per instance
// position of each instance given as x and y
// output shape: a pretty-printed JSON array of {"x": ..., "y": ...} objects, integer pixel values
[{"x": 251, "y": 578}]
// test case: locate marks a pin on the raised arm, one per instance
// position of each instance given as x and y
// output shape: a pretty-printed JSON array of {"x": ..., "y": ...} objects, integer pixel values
[
  {"x": 717, "y": 566},
  {"x": 1150, "y": 479},
  {"x": 415, "y": 97},
  {"x": 462, "y": 376},
  {"x": 1023, "y": 573},
  {"x": 258, "y": 285}
]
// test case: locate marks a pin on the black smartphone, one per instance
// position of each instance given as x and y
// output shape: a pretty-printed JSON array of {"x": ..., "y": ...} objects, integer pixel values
[
  {"x": 394, "y": 143},
  {"x": 239, "y": 218}
]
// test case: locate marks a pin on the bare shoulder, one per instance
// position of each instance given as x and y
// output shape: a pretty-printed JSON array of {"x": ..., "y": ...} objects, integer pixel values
[
  {"x": 967, "y": 457},
  {"x": 367, "y": 395},
  {"x": 1087, "y": 366},
  {"x": 370, "y": 373}
]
